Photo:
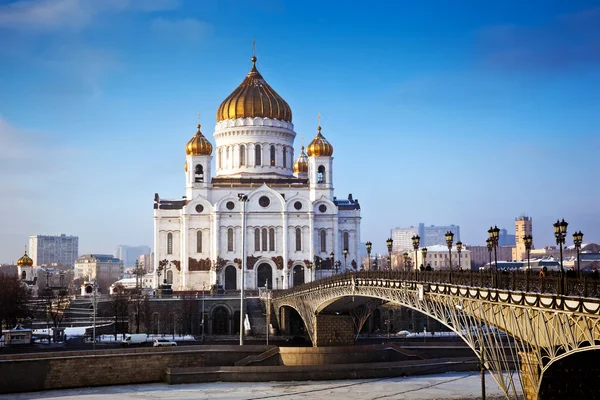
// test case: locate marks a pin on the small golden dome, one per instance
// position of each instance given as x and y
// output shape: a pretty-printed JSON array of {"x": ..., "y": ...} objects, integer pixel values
[
  {"x": 25, "y": 261},
  {"x": 319, "y": 146},
  {"x": 198, "y": 145},
  {"x": 301, "y": 163},
  {"x": 254, "y": 98}
]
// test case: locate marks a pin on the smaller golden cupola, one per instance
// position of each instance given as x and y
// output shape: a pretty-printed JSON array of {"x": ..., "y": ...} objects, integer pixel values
[
  {"x": 319, "y": 146},
  {"x": 25, "y": 261},
  {"x": 301, "y": 163},
  {"x": 198, "y": 145}
]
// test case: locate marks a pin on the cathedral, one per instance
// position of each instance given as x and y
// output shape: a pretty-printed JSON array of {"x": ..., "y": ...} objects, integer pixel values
[{"x": 261, "y": 205}]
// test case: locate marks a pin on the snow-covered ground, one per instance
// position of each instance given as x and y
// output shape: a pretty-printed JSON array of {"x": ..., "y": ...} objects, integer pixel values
[{"x": 455, "y": 386}]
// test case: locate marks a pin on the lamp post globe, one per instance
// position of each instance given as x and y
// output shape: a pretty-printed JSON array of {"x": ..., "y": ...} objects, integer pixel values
[
  {"x": 577, "y": 240},
  {"x": 390, "y": 244},
  {"x": 331, "y": 260}
]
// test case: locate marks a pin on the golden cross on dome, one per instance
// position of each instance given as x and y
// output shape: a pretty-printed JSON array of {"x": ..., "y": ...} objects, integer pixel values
[
  {"x": 319, "y": 117},
  {"x": 253, "y": 47},
  {"x": 198, "y": 118},
  {"x": 302, "y": 140}
]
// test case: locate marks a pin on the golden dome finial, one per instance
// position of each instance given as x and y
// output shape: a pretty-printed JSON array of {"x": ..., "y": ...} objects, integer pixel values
[
  {"x": 25, "y": 261},
  {"x": 319, "y": 145},
  {"x": 301, "y": 163},
  {"x": 254, "y": 98},
  {"x": 198, "y": 144}
]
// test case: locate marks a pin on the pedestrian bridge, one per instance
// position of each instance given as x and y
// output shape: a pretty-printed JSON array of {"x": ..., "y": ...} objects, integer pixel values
[{"x": 553, "y": 338}]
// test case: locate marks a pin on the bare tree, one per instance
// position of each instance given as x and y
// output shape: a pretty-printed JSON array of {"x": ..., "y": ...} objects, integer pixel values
[
  {"x": 186, "y": 313},
  {"x": 120, "y": 308},
  {"x": 56, "y": 305},
  {"x": 14, "y": 300}
]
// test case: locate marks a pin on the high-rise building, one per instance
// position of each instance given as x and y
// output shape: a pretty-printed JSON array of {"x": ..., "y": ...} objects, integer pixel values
[
  {"x": 429, "y": 236},
  {"x": 147, "y": 262},
  {"x": 49, "y": 249},
  {"x": 129, "y": 254},
  {"x": 504, "y": 239},
  {"x": 402, "y": 238},
  {"x": 523, "y": 227}
]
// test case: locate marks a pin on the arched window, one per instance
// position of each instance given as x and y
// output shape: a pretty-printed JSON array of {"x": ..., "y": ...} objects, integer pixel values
[
  {"x": 272, "y": 156},
  {"x": 220, "y": 157},
  {"x": 264, "y": 239},
  {"x": 169, "y": 243},
  {"x": 272, "y": 239},
  {"x": 230, "y": 239},
  {"x": 199, "y": 242},
  {"x": 24, "y": 275},
  {"x": 257, "y": 155},
  {"x": 199, "y": 173},
  {"x": 242, "y": 156},
  {"x": 321, "y": 174},
  {"x": 346, "y": 240},
  {"x": 323, "y": 235},
  {"x": 298, "y": 239},
  {"x": 257, "y": 239},
  {"x": 284, "y": 157},
  {"x": 170, "y": 277}
]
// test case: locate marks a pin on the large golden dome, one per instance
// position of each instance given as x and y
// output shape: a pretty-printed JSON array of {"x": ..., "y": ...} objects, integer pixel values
[
  {"x": 198, "y": 145},
  {"x": 319, "y": 146},
  {"x": 254, "y": 98},
  {"x": 25, "y": 261},
  {"x": 301, "y": 163}
]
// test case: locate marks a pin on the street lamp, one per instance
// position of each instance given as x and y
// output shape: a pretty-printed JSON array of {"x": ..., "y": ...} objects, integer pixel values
[
  {"x": 345, "y": 259},
  {"x": 490, "y": 246},
  {"x": 449, "y": 240},
  {"x": 560, "y": 232},
  {"x": 494, "y": 234},
  {"x": 331, "y": 258},
  {"x": 423, "y": 255},
  {"x": 389, "y": 244},
  {"x": 203, "y": 295},
  {"x": 577, "y": 240},
  {"x": 459, "y": 249},
  {"x": 337, "y": 265},
  {"x": 243, "y": 199},
  {"x": 369, "y": 245},
  {"x": 528, "y": 241},
  {"x": 415, "y": 242}
]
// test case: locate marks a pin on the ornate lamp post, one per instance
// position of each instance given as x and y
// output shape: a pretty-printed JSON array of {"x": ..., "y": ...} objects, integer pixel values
[
  {"x": 560, "y": 233},
  {"x": 577, "y": 240},
  {"x": 331, "y": 259},
  {"x": 369, "y": 245},
  {"x": 345, "y": 259},
  {"x": 243, "y": 199},
  {"x": 528, "y": 241},
  {"x": 459, "y": 249},
  {"x": 389, "y": 244},
  {"x": 494, "y": 234},
  {"x": 449, "y": 240},
  {"x": 490, "y": 246},
  {"x": 415, "y": 242},
  {"x": 424, "y": 256},
  {"x": 337, "y": 266}
]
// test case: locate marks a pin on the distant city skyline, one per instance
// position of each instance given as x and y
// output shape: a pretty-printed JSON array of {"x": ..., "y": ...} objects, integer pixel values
[{"x": 470, "y": 113}]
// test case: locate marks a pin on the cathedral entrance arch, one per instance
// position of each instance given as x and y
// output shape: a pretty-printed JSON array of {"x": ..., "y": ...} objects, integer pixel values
[
  {"x": 230, "y": 278},
  {"x": 220, "y": 321},
  {"x": 264, "y": 274},
  {"x": 298, "y": 275}
]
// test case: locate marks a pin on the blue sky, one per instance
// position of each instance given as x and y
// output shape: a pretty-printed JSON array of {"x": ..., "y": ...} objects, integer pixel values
[{"x": 440, "y": 112}]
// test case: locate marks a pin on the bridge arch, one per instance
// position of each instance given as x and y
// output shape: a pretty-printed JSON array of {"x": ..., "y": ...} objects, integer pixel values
[{"x": 536, "y": 327}]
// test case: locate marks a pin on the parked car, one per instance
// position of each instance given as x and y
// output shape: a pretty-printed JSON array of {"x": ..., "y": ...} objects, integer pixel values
[
  {"x": 164, "y": 342},
  {"x": 403, "y": 333}
]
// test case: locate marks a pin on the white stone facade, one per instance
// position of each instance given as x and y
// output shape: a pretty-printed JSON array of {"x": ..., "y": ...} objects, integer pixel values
[{"x": 301, "y": 220}]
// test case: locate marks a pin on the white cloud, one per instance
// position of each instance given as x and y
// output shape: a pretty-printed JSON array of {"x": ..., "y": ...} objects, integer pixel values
[
  {"x": 187, "y": 28},
  {"x": 36, "y": 16}
]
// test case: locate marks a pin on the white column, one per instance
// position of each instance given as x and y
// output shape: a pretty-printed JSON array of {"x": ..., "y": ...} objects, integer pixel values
[
  {"x": 284, "y": 245},
  {"x": 216, "y": 243},
  {"x": 311, "y": 241},
  {"x": 184, "y": 251}
]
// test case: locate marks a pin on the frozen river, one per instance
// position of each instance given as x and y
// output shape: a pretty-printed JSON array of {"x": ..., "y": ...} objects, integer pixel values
[{"x": 427, "y": 387}]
